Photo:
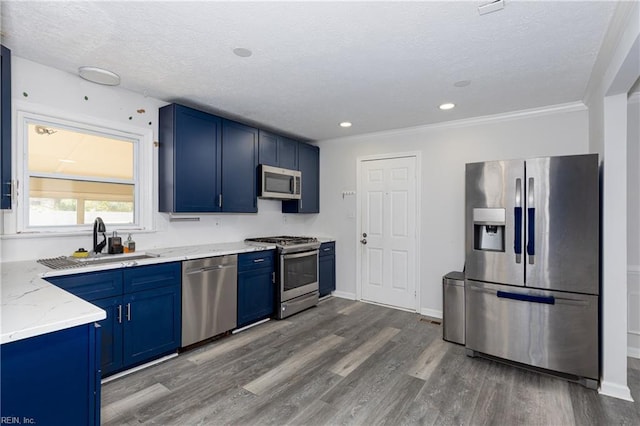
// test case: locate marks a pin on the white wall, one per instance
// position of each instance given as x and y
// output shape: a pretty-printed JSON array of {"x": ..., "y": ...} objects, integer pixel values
[
  {"x": 633, "y": 226},
  {"x": 445, "y": 150},
  {"x": 64, "y": 92},
  {"x": 616, "y": 69}
]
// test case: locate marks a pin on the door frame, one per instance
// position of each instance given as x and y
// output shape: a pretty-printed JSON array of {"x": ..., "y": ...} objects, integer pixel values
[{"x": 389, "y": 156}]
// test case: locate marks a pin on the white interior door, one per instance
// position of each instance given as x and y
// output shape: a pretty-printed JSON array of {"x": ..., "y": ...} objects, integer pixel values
[{"x": 388, "y": 231}]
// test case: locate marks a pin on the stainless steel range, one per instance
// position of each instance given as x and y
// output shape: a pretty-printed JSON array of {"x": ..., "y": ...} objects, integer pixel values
[{"x": 296, "y": 273}]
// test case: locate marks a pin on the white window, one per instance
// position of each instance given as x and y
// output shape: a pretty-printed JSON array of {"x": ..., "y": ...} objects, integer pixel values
[{"x": 73, "y": 173}]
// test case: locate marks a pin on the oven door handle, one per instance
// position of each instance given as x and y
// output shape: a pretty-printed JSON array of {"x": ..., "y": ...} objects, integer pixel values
[{"x": 300, "y": 254}]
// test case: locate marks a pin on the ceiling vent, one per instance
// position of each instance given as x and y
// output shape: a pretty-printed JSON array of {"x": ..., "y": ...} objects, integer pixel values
[{"x": 488, "y": 7}]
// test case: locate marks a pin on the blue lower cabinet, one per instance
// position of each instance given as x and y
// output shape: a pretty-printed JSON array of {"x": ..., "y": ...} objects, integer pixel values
[
  {"x": 151, "y": 277},
  {"x": 143, "y": 311},
  {"x": 111, "y": 342},
  {"x": 327, "y": 268},
  {"x": 255, "y": 295},
  {"x": 151, "y": 324},
  {"x": 255, "y": 286},
  {"x": 52, "y": 379},
  {"x": 91, "y": 286}
]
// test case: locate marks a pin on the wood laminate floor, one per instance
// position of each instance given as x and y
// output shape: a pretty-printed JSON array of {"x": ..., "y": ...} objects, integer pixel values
[{"x": 346, "y": 362}]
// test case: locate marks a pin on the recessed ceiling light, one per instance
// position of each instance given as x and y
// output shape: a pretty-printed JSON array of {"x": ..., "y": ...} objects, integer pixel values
[
  {"x": 242, "y": 52},
  {"x": 99, "y": 75},
  {"x": 447, "y": 106},
  {"x": 345, "y": 124},
  {"x": 462, "y": 83}
]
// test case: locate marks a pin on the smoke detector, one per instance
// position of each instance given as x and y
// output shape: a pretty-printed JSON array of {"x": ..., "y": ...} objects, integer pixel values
[{"x": 99, "y": 75}]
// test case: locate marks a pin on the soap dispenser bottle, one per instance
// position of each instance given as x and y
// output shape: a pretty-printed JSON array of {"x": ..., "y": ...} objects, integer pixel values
[{"x": 129, "y": 245}]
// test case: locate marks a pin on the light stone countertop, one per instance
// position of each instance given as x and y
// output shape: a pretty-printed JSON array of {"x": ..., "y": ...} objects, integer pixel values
[
  {"x": 31, "y": 306},
  {"x": 326, "y": 239}
]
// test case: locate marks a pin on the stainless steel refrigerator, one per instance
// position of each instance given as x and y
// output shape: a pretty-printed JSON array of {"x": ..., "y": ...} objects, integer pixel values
[{"x": 532, "y": 263}]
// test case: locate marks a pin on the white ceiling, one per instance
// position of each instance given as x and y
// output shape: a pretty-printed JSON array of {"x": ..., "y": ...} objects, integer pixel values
[{"x": 381, "y": 65}]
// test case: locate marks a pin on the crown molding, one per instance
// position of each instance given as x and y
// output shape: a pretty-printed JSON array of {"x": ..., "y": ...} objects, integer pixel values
[{"x": 475, "y": 121}]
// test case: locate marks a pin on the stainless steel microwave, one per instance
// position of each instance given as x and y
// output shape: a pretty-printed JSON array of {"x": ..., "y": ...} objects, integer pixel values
[{"x": 279, "y": 183}]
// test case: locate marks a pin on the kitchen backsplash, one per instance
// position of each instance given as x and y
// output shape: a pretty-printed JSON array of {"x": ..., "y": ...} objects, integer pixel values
[{"x": 211, "y": 228}]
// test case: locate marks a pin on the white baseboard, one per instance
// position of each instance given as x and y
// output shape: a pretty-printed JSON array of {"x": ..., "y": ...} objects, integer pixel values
[
  {"x": 433, "y": 313},
  {"x": 246, "y": 327},
  {"x": 344, "y": 295},
  {"x": 633, "y": 352},
  {"x": 138, "y": 368},
  {"x": 615, "y": 390}
]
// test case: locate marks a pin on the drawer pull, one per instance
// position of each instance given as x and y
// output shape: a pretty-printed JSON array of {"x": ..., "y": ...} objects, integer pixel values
[
  {"x": 550, "y": 300},
  {"x": 258, "y": 260}
]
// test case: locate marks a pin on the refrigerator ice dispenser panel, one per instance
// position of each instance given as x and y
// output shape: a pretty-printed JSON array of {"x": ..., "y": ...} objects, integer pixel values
[{"x": 488, "y": 229}]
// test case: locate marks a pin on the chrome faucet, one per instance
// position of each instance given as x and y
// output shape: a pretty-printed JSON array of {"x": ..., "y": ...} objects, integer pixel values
[{"x": 98, "y": 226}]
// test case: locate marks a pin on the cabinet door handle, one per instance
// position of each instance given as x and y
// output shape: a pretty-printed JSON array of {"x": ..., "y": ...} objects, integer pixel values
[
  {"x": 220, "y": 200},
  {"x": 128, "y": 311},
  {"x": 258, "y": 260},
  {"x": 119, "y": 314}
]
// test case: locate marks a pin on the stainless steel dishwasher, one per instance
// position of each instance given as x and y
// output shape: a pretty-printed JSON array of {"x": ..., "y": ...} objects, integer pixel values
[{"x": 209, "y": 297}]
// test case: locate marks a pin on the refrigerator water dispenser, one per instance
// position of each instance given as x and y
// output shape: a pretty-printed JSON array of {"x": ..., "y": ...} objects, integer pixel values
[{"x": 488, "y": 229}]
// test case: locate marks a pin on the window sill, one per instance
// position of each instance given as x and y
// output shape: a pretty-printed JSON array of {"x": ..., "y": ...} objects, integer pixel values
[{"x": 63, "y": 234}]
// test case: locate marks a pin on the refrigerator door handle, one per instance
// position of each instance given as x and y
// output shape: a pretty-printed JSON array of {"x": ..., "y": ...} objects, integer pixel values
[
  {"x": 531, "y": 223},
  {"x": 517, "y": 213},
  {"x": 549, "y": 300}
]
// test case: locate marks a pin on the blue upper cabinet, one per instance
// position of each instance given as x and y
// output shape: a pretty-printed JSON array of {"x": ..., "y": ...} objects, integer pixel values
[
  {"x": 268, "y": 144},
  {"x": 309, "y": 165},
  {"x": 278, "y": 151},
  {"x": 239, "y": 163},
  {"x": 206, "y": 163},
  {"x": 288, "y": 153},
  {"x": 190, "y": 159},
  {"x": 5, "y": 130}
]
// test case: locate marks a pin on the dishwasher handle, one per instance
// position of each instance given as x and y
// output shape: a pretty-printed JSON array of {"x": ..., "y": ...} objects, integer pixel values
[{"x": 209, "y": 269}]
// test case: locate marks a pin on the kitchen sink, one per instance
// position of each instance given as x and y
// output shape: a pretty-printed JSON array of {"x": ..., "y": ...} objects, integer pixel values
[{"x": 67, "y": 262}]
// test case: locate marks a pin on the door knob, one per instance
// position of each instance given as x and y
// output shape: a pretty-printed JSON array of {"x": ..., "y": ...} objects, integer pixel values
[{"x": 363, "y": 241}]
